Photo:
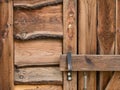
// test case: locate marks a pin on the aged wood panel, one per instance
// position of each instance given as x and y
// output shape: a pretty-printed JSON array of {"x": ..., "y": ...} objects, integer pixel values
[
  {"x": 38, "y": 87},
  {"x": 38, "y": 75},
  {"x": 70, "y": 38},
  {"x": 33, "y": 4},
  {"x": 6, "y": 45},
  {"x": 92, "y": 63},
  {"x": 106, "y": 34},
  {"x": 87, "y": 39},
  {"x": 37, "y": 52},
  {"x": 38, "y": 23},
  {"x": 114, "y": 83}
]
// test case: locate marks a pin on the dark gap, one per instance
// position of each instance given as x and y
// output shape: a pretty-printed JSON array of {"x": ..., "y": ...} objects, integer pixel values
[
  {"x": 97, "y": 73},
  {"x": 34, "y": 66},
  {"x": 77, "y": 40}
]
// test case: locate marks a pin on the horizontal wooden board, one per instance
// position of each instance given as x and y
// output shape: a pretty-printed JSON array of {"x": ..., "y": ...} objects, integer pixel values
[
  {"x": 38, "y": 23},
  {"x": 32, "y": 4},
  {"x": 38, "y": 75},
  {"x": 38, "y": 87},
  {"x": 92, "y": 63},
  {"x": 37, "y": 52}
]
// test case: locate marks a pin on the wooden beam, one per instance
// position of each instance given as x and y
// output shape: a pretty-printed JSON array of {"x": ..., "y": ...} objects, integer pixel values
[
  {"x": 114, "y": 83},
  {"x": 6, "y": 45},
  {"x": 37, "y": 52},
  {"x": 70, "y": 38},
  {"x": 106, "y": 34},
  {"x": 30, "y": 4},
  {"x": 39, "y": 23},
  {"x": 38, "y": 75},
  {"x": 87, "y": 39},
  {"x": 92, "y": 63},
  {"x": 38, "y": 87}
]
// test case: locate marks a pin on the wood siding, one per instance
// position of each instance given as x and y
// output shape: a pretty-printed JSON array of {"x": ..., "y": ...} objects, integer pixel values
[{"x": 36, "y": 35}]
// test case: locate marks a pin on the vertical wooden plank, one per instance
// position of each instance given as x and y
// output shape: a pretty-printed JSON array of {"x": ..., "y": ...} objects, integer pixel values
[
  {"x": 6, "y": 45},
  {"x": 114, "y": 83},
  {"x": 106, "y": 34},
  {"x": 87, "y": 39},
  {"x": 70, "y": 38}
]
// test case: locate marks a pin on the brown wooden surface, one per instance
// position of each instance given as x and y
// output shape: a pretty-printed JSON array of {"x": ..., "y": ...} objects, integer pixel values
[
  {"x": 87, "y": 38},
  {"x": 6, "y": 45},
  {"x": 106, "y": 34},
  {"x": 114, "y": 83},
  {"x": 33, "y": 4},
  {"x": 38, "y": 87},
  {"x": 38, "y": 75},
  {"x": 92, "y": 63},
  {"x": 38, "y": 52},
  {"x": 39, "y": 23},
  {"x": 70, "y": 38}
]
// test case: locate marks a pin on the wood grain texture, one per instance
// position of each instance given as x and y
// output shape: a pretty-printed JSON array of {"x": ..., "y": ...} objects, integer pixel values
[
  {"x": 87, "y": 38},
  {"x": 34, "y": 4},
  {"x": 37, "y": 52},
  {"x": 106, "y": 34},
  {"x": 92, "y": 63},
  {"x": 70, "y": 38},
  {"x": 6, "y": 45},
  {"x": 39, "y": 23},
  {"x": 38, "y": 87},
  {"x": 38, "y": 75},
  {"x": 114, "y": 83}
]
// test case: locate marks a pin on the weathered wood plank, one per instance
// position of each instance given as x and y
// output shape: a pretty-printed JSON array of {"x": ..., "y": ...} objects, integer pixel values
[
  {"x": 38, "y": 87},
  {"x": 106, "y": 34},
  {"x": 114, "y": 83},
  {"x": 39, "y": 23},
  {"x": 37, "y": 52},
  {"x": 33, "y": 4},
  {"x": 70, "y": 38},
  {"x": 6, "y": 45},
  {"x": 87, "y": 39},
  {"x": 92, "y": 63},
  {"x": 38, "y": 75}
]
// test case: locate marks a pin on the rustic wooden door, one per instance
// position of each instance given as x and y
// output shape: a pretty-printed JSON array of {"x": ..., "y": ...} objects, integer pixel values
[
  {"x": 94, "y": 30},
  {"x": 36, "y": 35}
]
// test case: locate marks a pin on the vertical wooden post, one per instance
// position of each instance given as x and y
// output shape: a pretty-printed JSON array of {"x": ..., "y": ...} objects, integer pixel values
[
  {"x": 70, "y": 38},
  {"x": 114, "y": 83},
  {"x": 106, "y": 34},
  {"x": 6, "y": 45},
  {"x": 87, "y": 39}
]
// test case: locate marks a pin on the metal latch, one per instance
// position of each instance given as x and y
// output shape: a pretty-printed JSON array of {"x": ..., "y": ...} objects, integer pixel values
[{"x": 69, "y": 62}]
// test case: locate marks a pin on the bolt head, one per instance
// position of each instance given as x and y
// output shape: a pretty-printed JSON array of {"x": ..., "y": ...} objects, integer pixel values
[{"x": 69, "y": 78}]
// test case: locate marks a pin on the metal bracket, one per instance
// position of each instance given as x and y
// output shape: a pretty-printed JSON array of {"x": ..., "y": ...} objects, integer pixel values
[{"x": 69, "y": 62}]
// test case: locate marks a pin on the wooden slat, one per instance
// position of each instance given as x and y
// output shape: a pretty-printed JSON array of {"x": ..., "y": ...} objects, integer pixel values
[
  {"x": 106, "y": 34},
  {"x": 39, "y": 23},
  {"x": 38, "y": 75},
  {"x": 37, "y": 52},
  {"x": 92, "y": 63},
  {"x": 6, "y": 45},
  {"x": 87, "y": 38},
  {"x": 70, "y": 38},
  {"x": 114, "y": 83},
  {"x": 38, "y": 87},
  {"x": 33, "y": 4}
]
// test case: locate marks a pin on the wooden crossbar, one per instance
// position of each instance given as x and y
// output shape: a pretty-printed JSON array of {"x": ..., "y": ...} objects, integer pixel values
[{"x": 92, "y": 63}]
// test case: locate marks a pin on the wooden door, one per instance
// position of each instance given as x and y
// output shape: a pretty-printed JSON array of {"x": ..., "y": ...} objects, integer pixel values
[{"x": 35, "y": 34}]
